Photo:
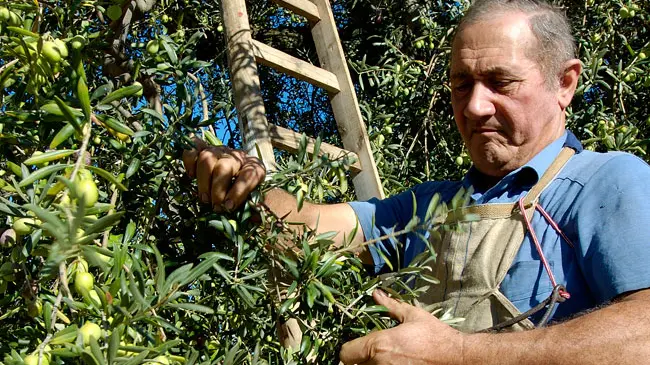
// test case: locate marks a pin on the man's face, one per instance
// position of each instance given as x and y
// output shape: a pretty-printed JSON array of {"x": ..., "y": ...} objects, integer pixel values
[{"x": 503, "y": 109}]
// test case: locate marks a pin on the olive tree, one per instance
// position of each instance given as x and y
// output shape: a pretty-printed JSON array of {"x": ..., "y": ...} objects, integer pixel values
[{"x": 107, "y": 255}]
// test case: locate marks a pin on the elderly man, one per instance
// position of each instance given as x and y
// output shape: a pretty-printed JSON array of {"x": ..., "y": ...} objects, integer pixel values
[{"x": 557, "y": 224}]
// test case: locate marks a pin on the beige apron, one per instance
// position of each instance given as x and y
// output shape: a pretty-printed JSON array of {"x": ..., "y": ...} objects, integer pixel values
[{"x": 473, "y": 260}]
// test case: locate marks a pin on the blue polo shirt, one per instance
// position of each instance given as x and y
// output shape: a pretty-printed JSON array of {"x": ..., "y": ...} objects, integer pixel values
[{"x": 599, "y": 200}]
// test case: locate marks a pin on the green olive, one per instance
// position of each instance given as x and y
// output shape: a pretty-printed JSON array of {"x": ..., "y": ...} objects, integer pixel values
[
  {"x": 78, "y": 42},
  {"x": 35, "y": 309},
  {"x": 33, "y": 360},
  {"x": 88, "y": 189},
  {"x": 90, "y": 330},
  {"x": 4, "y": 14},
  {"x": 624, "y": 12},
  {"x": 152, "y": 47},
  {"x": 51, "y": 52},
  {"x": 114, "y": 12},
  {"x": 14, "y": 19},
  {"x": 22, "y": 226},
  {"x": 61, "y": 47},
  {"x": 83, "y": 282},
  {"x": 158, "y": 360},
  {"x": 139, "y": 93}
]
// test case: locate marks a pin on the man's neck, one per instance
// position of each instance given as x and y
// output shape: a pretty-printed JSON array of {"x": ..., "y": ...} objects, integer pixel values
[{"x": 484, "y": 182}]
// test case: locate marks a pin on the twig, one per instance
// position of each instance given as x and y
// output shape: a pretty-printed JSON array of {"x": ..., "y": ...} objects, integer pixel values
[
  {"x": 84, "y": 146},
  {"x": 204, "y": 100},
  {"x": 7, "y": 65},
  {"x": 64, "y": 279},
  {"x": 48, "y": 338},
  {"x": 107, "y": 232},
  {"x": 375, "y": 240},
  {"x": 126, "y": 114}
]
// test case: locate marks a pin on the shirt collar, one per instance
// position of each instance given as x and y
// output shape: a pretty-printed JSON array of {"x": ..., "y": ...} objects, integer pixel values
[{"x": 530, "y": 173}]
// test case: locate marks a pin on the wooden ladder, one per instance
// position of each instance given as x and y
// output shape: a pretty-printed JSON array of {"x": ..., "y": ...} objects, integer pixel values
[{"x": 259, "y": 136}]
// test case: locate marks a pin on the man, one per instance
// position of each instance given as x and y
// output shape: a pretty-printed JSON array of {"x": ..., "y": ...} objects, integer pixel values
[{"x": 556, "y": 221}]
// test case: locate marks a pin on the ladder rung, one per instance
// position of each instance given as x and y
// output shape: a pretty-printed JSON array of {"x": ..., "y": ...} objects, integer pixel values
[
  {"x": 301, "y": 7},
  {"x": 295, "y": 67},
  {"x": 288, "y": 140}
]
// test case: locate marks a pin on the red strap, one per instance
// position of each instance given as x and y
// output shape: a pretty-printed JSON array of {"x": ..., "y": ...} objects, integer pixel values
[
  {"x": 554, "y": 225},
  {"x": 565, "y": 294}
]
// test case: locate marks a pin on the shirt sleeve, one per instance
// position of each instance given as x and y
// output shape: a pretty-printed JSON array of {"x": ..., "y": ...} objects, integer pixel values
[
  {"x": 612, "y": 213},
  {"x": 379, "y": 218}
]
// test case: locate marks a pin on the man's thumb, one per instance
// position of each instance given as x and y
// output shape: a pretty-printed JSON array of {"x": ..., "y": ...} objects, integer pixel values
[{"x": 396, "y": 309}]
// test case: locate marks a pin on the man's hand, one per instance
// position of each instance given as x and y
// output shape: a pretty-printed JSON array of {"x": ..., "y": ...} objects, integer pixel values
[
  {"x": 225, "y": 176},
  {"x": 419, "y": 339}
]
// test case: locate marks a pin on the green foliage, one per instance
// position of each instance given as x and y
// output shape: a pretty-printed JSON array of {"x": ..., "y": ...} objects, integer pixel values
[{"x": 89, "y": 103}]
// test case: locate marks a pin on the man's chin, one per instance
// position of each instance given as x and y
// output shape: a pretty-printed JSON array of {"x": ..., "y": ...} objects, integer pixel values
[{"x": 491, "y": 160}]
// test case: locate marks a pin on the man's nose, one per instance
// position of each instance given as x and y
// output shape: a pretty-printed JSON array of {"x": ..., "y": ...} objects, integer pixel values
[{"x": 480, "y": 102}]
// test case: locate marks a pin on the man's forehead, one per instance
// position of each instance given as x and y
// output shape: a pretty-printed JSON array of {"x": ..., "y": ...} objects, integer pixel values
[
  {"x": 492, "y": 70},
  {"x": 495, "y": 46},
  {"x": 511, "y": 29}
]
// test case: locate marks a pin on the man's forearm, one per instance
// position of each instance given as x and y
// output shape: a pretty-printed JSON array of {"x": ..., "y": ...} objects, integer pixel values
[
  {"x": 285, "y": 205},
  {"x": 320, "y": 217},
  {"x": 616, "y": 334}
]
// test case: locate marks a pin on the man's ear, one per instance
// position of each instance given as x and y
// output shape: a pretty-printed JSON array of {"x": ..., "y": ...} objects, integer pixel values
[{"x": 568, "y": 82}]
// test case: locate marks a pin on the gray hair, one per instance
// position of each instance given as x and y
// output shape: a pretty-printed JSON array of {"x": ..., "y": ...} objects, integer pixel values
[{"x": 550, "y": 26}]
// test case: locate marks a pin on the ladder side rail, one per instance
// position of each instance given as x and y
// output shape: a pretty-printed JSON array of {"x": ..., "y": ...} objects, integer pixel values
[
  {"x": 246, "y": 83},
  {"x": 344, "y": 104}
]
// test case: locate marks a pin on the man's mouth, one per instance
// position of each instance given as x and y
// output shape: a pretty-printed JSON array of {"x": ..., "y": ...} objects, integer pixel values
[{"x": 485, "y": 130}]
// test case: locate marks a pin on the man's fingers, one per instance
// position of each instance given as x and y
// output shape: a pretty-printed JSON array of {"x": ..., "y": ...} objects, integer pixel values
[
  {"x": 190, "y": 156},
  {"x": 357, "y": 351},
  {"x": 250, "y": 175},
  {"x": 224, "y": 170},
  {"x": 204, "y": 166},
  {"x": 189, "y": 161},
  {"x": 215, "y": 168},
  {"x": 397, "y": 310}
]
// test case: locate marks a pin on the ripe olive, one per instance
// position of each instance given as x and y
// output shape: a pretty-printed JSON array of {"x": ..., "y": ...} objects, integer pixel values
[{"x": 8, "y": 238}]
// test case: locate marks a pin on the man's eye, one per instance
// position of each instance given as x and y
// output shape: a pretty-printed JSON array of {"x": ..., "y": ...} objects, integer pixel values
[
  {"x": 500, "y": 84},
  {"x": 465, "y": 86}
]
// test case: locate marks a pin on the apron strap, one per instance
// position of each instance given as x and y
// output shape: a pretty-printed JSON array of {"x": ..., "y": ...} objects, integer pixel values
[
  {"x": 546, "y": 179},
  {"x": 531, "y": 198}
]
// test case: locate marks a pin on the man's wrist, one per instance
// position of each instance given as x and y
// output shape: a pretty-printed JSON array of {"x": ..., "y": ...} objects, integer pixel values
[
  {"x": 502, "y": 348},
  {"x": 471, "y": 344}
]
